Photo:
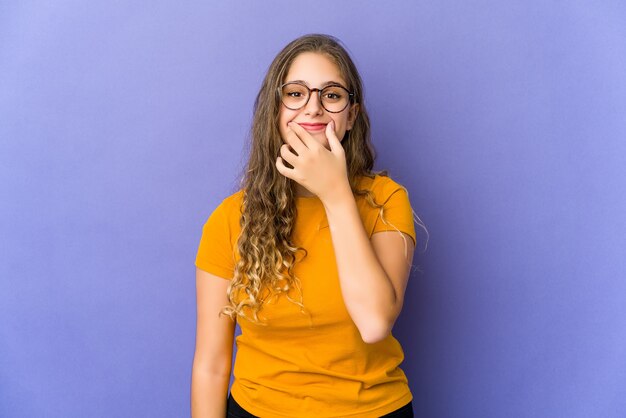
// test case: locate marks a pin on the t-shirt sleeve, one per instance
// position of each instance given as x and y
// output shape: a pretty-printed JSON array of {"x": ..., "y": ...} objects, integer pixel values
[
  {"x": 215, "y": 252},
  {"x": 397, "y": 211}
]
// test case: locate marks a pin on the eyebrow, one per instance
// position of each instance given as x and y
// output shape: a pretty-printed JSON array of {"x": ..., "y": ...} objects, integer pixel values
[{"x": 327, "y": 83}]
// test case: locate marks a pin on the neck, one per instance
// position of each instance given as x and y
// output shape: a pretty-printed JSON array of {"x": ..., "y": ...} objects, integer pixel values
[{"x": 301, "y": 191}]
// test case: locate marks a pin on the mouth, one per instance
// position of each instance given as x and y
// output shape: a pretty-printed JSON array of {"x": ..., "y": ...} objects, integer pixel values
[{"x": 313, "y": 127}]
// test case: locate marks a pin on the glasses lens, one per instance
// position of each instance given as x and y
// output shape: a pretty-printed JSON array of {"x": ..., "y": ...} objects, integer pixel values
[
  {"x": 294, "y": 95},
  {"x": 335, "y": 98}
]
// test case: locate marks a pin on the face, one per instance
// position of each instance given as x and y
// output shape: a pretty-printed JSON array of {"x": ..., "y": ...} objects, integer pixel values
[{"x": 316, "y": 70}]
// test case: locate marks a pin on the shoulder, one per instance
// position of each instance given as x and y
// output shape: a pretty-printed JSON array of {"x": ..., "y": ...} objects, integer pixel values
[
  {"x": 231, "y": 203},
  {"x": 234, "y": 200},
  {"x": 382, "y": 186},
  {"x": 227, "y": 212}
]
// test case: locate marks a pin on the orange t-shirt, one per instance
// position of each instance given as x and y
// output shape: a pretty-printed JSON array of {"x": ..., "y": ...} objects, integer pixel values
[{"x": 289, "y": 368}]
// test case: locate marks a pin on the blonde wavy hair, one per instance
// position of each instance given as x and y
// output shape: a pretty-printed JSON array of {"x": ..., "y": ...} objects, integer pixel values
[{"x": 267, "y": 252}]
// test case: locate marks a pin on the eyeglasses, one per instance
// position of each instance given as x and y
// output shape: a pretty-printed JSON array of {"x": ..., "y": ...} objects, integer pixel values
[{"x": 334, "y": 98}]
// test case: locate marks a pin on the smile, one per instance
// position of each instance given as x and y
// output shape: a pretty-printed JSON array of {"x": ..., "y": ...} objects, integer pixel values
[{"x": 313, "y": 127}]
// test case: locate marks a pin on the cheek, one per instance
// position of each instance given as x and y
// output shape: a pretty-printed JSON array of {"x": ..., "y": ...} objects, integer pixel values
[
  {"x": 284, "y": 116},
  {"x": 341, "y": 124}
]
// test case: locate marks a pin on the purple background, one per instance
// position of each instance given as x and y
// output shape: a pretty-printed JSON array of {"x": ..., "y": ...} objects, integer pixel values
[{"x": 122, "y": 126}]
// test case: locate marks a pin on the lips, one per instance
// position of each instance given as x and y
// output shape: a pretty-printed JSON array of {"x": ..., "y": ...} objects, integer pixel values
[{"x": 313, "y": 126}]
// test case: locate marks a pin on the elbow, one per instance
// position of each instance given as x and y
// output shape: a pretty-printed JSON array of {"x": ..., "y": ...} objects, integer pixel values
[
  {"x": 373, "y": 333},
  {"x": 376, "y": 328}
]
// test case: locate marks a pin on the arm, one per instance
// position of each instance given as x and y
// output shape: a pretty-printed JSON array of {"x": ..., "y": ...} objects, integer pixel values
[
  {"x": 373, "y": 275},
  {"x": 214, "y": 348}
]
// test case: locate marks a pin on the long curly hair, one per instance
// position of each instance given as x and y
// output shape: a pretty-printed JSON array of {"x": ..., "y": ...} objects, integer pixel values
[{"x": 267, "y": 252}]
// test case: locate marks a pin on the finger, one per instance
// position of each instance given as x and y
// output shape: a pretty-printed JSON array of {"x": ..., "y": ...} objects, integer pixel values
[
  {"x": 303, "y": 135},
  {"x": 283, "y": 169},
  {"x": 288, "y": 155},
  {"x": 333, "y": 141},
  {"x": 294, "y": 142}
]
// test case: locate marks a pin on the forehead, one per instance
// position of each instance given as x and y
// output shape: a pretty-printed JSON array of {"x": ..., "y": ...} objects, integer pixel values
[{"x": 315, "y": 69}]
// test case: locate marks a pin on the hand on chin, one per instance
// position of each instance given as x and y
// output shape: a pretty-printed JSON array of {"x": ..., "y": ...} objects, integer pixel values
[{"x": 321, "y": 138}]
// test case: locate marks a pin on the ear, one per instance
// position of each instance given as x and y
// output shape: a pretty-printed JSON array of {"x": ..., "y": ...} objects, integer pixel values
[{"x": 352, "y": 114}]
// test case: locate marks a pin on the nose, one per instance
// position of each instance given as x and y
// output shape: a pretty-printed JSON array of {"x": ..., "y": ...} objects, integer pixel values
[{"x": 315, "y": 103}]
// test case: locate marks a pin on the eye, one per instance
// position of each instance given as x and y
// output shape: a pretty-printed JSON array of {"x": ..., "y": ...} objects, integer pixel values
[
  {"x": 333, "y": 93},
  {"x": 294, "y": 91}
]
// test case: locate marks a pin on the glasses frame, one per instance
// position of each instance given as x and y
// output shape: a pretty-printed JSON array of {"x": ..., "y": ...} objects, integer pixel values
[{"x": 279, "y": 91}]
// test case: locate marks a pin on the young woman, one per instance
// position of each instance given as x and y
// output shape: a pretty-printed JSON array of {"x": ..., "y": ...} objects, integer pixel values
[{"x": 311, "y": 257}]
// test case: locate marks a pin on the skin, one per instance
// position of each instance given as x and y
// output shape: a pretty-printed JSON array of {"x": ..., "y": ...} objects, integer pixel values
[
  {"x": 373, "y": 273},
  {"x": 214, "y": 348},
  {"x": 315, "y": 70}
]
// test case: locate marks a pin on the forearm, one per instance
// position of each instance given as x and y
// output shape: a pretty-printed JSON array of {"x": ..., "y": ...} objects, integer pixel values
[
  {"x": 209, "y": 392},
  {"x": 368, "y": 293}
]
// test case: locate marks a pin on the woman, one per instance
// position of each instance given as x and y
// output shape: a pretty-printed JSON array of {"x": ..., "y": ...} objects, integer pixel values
[{"x": 316, "y": 250}]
